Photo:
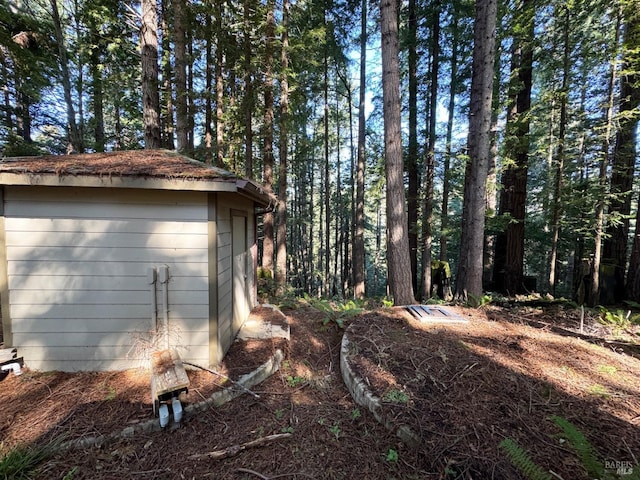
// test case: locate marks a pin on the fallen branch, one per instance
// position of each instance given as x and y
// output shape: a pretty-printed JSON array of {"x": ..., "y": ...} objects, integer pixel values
[
  {"x": 235, "y": 449},
  {"x": 222, "y": 376}
]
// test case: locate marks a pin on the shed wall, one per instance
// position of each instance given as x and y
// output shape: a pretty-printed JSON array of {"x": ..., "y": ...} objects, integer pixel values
[
  {"x": 77, "y": 269},
  {"x": 228, "y": 206}
]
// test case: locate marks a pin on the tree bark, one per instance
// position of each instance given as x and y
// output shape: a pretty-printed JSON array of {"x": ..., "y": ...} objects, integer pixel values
[
  {"x": 149, "y": 59},
  {"x": 624, "y": 159},
  {"x": 469, "y": 278},
  {"x": 281, "y": 234},
  {"x": 413, "y": 175},
  {"x": 427, "y": 214},
  {"x": 559, "y": 170},
  {"x": 219, "y": 86},
  {"x": 166, "y": 112},
  {"x": 509, "y": 258},
  {"x": 268, "y": 218},
  {"x": 180, "y": 55},
  {"x": 75, "y": 139},
  {"x": 358, "y": 238},
  {"x": 248, "y": 91},
  {"x": 398, "y": 259}
]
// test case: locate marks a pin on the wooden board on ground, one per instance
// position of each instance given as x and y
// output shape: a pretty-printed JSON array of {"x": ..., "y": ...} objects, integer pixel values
[
  {"x": 7, "y": 354},
  {"x": 167, "y": 374}
]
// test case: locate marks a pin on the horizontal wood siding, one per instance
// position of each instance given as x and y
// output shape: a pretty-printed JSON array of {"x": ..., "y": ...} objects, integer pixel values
[
  {"x": 226, "y": 204},
  {"x": 77, "y": 264}
]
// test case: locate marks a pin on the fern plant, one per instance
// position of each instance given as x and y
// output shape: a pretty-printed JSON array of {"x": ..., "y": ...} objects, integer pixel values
[
  {"x": 584, "y": 450},
  {"x": 581, "y": 445},
  {"x": 522, "y": 461}
]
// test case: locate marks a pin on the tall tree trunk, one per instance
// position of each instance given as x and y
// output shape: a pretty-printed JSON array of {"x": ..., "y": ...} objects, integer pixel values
[
  {"x": 624, "y": 157},
  {"x": 219, "y": 87},
  {"x": 180, "y": 55},
  {"x": 281, "y": 235},
  {"x": 594, "y": 287},
  {"x": 469, "y": 278},
  {"x": 248, "y": 91},
  {"x": 446, "y": 182},
  {"x": 327, "y": 177},
  {"x": 412, "y": 149},
  {"x": 268, "y": 218},
  {"x": 559, "y": 170},
  {"x": 398, "y": 259},
  {"x": 149, "y": 59},
  {"x": 166, "y": 112},
  {"x": 427, "y": 214},
  {"x": 509, "y": 259},
  {"x": 75, "y": 139},
  {"x": 358, "y": 238},
  {"x": 190, "y": 91},
  {"x": 98, "y": 90},
  {"x": 208, "y": 87},
  {"x": 491, "y": 202}
]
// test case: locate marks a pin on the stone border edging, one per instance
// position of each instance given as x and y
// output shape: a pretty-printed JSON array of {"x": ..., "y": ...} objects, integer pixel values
[
  {"x": 363, "y": 397},
  {"x": 216, "y": 399}
]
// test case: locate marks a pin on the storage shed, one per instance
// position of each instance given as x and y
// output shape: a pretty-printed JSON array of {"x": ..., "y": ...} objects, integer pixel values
[{"x": 99, "y": 251}]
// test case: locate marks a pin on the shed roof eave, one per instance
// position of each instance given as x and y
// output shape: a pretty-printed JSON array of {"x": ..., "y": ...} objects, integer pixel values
[
  {"x": 256, "y": 192},
  {"x": 106, "y": 181}
]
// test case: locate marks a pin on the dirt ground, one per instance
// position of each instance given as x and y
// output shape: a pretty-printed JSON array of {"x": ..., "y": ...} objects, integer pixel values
[{"x": 461, "y": 388}]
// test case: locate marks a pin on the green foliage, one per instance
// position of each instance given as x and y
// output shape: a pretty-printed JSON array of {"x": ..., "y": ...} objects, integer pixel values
[
  {"x": 479, "y": 302},
  {"x": 618, "y": 320},
  {"x": 335, "y": 312},
  {"x": 581, "y": 445},
  {"x": 522, "y": 461},
  {"x": 392, "y": 456},
  {"x": 294, "y": 381},
  {"x": 395, "y": 396},
  {"x": 21, "y": 462},
  {"x": 583, "y": 448},
  {"x": 70, "y": 474}
]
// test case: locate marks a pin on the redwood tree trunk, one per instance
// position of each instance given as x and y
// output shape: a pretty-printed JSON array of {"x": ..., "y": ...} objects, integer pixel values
[
  {"x": 358, "y": 238},
  {"x": 469, "y": 278},
  {"x": 150, "y": 93},
  {"x": 398, "y": 261},
  {"x": 509, "y": 259},
  {"x": 268, "y": 220},
  {"x": 281, "y": 236},
  {"x": 180, "y": 52}
]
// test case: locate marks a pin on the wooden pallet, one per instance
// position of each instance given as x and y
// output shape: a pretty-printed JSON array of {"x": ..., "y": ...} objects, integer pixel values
[{"x": 168, "y": 376}]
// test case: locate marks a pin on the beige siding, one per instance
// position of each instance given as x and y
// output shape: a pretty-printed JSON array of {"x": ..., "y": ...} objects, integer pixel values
[
  {"x": 77, "y": 262},
  {"x": 226, "y": 204}
]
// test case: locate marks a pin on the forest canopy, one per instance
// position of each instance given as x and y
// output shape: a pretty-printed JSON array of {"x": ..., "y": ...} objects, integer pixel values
[{"x": 290, "y": 93}]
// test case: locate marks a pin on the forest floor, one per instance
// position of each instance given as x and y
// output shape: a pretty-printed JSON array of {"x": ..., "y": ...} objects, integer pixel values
[{"x": 462, "y": 388}]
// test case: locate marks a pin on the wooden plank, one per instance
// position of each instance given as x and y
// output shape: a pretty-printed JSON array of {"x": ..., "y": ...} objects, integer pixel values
[
  {"x": 167, "y": 373},
  {"x": 102, "y": 297},
  {"x": 90, "y": 225},
  {"x": 132, "y": 312},
  {"x": 103, "y": 195},
  {"x": 78, "y": 238},
  {"x": 178, "y": 284},
  {"x": 113, "y": 254},
  {"x": 105, "y": 211},
  {"x": 7, "y": 354},
  {"x": 104, "y": 268},
  {"x": 46, "y": 325}
]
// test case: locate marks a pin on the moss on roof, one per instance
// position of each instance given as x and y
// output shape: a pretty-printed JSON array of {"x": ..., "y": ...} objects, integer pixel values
[{"x": 130, "y": 163}]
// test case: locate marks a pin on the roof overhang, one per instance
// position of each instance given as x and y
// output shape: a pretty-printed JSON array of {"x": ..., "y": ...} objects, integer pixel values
[{"x": 132, "y": 169}]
